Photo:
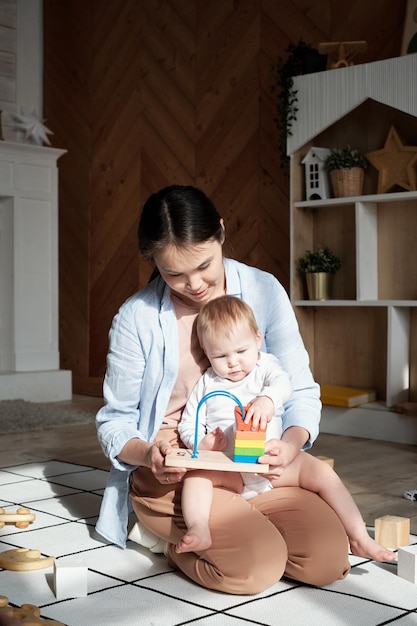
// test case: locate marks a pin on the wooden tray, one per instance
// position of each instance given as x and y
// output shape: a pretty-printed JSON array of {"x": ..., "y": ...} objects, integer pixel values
[{"x": 211, "y": 460}]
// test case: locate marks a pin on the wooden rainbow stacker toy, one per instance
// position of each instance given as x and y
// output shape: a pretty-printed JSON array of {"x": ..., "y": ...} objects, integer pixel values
[{"x": 248, "y": 447}]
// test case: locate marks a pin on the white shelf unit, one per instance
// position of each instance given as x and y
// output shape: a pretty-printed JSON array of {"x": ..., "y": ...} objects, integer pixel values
[
  {"x": 366, "y": 336},
  {"x": 367, "y": 289}
]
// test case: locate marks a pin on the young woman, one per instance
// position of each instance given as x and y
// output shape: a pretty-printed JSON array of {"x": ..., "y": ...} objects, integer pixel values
[{"x": 155, "y": 360}]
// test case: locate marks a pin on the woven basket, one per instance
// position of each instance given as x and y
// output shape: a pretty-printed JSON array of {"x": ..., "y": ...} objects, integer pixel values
[{"x": 347, "y": 182}]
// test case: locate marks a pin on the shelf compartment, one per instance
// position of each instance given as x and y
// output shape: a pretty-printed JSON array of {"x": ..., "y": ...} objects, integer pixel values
[
  {"x": 345, "y": 346},
  {"x": 335, "y": 229}
]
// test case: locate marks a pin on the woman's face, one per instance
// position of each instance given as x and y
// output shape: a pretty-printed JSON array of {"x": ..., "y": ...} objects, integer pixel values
[{"x": 195, "y": 273}]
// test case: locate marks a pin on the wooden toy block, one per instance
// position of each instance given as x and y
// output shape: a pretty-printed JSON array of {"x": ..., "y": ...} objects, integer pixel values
[
  {"x": 24, "y": 560},
  {"x": 246, "y": 459},
  {"x": 248, "y": 450},
  {"x": 326, "y": 459},
  {"x": 392, "y": 531},
  {"x": 211, "y": 460},
  {"x": 27, "y": 614},
  {"x": 21, "y": 519},
  {"x": 70, "y": 579},
  {"x": 240, "y": 423},
  {"x": 244, "y": 435},
  {"x": 407, "y": 563},
  {"x": 249, "y": 443}
]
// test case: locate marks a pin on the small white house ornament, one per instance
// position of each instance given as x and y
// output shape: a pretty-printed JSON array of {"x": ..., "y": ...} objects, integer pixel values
[{"x": 316, "y": 179}]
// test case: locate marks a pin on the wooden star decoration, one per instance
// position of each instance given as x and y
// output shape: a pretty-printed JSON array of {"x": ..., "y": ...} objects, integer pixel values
[{"x": 396, "y": 164}]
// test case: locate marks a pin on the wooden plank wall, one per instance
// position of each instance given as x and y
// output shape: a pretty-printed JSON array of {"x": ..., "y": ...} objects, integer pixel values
[{"x": 146, "y": 93}]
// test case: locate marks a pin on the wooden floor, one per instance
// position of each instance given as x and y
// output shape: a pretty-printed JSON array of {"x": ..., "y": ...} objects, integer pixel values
[{"x": 376, "y": 473}]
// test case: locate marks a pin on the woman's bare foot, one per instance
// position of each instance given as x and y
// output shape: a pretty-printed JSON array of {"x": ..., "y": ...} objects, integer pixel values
[
  {"x": 196, "y": 539},
  {"x": 369, "y": 548}
]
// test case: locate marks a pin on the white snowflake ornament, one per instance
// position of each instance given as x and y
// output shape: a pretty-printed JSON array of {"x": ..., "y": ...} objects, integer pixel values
[{"x": 34, "y": 129}]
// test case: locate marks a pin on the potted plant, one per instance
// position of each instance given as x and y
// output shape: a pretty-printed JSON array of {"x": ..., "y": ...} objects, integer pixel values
[
  {"x": 319, "y": 268},
  {"x": 346, "y": 167},
  {"x": 302, "y": 59}
]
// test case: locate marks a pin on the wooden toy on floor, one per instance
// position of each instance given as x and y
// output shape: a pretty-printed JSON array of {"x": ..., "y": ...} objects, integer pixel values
[
  {"x": 21, "y": 519},
  {"x": 407, "y": 563},
  {"x": 24, "y": 560},
  {"x": 28, "y": 613},
  {"x": 392, "y": 531}
]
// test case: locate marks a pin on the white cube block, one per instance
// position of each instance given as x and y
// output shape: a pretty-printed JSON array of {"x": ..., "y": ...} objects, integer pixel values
[
  {"x": 70, "y": 578},
  {"x": 407, "y": 563}
]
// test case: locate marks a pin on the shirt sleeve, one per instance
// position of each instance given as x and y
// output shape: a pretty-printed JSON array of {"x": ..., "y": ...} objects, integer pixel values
[
  {"x": 117, "y": 422},
  {"x": 277, "y": 383}
]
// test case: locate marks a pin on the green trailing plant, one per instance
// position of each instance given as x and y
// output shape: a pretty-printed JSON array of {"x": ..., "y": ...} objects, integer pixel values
[
  {"x": 323, "y": 260},
  {"x": 283, "y": 72},
  {"x": 345, "y": 158}
]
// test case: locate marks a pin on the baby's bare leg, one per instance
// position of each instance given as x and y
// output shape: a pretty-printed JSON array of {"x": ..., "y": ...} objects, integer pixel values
[
  {"x": 197, "y": 495},
  {"x": 316, "y": 475}
]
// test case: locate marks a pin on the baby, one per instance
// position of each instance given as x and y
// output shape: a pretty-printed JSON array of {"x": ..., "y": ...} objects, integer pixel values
[{"x": 230, "y": 337}]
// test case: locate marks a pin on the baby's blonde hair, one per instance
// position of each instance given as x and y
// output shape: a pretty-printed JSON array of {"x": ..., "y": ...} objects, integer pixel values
[{"x": 221, "y": 314}]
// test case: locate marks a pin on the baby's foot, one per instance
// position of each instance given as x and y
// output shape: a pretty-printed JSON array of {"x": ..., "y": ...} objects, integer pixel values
[
  {"x": 371, "y": 549},
  {"x": 196, "y": 539}
]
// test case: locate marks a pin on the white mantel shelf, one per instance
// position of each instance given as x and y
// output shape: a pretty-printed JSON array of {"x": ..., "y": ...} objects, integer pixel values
[{"x": 29, "y": 351}]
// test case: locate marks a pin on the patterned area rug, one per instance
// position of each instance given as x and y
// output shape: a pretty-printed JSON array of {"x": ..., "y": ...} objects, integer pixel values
[
  {"x": 20, "y": 415},
  {"x": 134, "y": 586}
]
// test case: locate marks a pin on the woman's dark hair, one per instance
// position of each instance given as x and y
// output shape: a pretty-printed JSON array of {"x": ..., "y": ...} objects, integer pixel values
[{"x": 178, "y": 215}]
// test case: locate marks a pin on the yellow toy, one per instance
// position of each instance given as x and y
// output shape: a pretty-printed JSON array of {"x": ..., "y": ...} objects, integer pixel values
[
  {"x": 21, "y": 519},
  {"x": 24, "y": 560},
  {"x": 28, "y": 613}
]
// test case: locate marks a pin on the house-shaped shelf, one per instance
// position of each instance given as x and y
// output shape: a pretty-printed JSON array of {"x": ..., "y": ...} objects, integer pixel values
[{"x": 365, "y": 336}]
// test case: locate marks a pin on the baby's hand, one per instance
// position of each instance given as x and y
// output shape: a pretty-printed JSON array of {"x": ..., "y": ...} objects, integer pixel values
[
  {"x": 260, "y": 411},
  {"x": 216, "y": 440}
]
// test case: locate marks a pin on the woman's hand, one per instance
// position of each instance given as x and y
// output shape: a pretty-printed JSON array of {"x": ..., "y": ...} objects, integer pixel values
[
  {"x": 152, "y": 455},
  {"x": 155, "y": 460},
  {"x": 279, "y": 453}
]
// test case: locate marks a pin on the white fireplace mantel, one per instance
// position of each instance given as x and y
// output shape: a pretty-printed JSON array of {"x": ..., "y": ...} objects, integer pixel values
[{"x": 29, "y": 350}]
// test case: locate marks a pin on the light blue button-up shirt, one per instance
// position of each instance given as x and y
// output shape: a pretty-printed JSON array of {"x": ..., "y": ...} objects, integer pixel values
[{"x": 142, "y": 367}]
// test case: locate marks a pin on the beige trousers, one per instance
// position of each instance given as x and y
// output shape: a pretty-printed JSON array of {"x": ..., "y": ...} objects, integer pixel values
[{"x": 287, "y": 531}]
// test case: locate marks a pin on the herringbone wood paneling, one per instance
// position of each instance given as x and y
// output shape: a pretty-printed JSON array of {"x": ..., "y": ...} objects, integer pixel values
[{"x": 146, "y": 93}]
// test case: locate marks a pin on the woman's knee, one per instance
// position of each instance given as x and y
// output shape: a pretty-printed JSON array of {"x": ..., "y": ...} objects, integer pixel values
[
  {"x": 316, "y": 540},
  {"x": 247, "y": 555}
]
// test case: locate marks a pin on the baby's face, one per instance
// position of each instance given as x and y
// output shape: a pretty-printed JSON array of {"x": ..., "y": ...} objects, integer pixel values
[{"x": 233, "y": 355}]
